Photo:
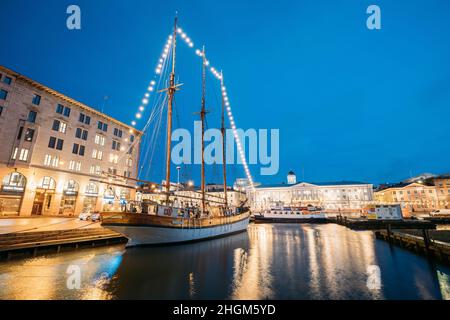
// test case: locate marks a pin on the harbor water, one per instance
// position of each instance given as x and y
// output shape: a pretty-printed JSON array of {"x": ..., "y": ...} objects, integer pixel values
[{"x": 269, "y": 261}]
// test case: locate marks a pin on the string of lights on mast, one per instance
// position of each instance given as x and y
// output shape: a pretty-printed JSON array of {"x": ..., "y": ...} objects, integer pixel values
[{"x": 218, "y": 75}]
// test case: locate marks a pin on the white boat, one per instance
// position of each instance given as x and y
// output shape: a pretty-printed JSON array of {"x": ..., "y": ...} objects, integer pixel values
[
  {"x": 281, "y": 213},
  {"x": 164, "y": 222}
]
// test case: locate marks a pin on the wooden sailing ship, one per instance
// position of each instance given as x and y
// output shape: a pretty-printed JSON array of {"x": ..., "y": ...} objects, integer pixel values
[{"x": 168, "y": 222}]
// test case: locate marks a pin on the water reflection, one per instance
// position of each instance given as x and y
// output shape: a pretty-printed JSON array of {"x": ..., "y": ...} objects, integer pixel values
[{"x": 267, "y": 262}]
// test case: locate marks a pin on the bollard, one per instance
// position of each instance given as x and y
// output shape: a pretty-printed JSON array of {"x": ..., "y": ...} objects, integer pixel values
[
  {"x": 389, "y": 233},
  {"x": 426, "y": 238}
]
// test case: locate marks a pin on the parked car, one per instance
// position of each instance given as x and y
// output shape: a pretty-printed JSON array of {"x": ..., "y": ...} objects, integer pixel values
[
  {"x": 440, "y": 212},
  {"x": 85, "y": 215},
  {"x": 96, "y": 216}
]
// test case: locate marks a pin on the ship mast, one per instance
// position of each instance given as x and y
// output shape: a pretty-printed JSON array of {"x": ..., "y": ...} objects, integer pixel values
[
  {"x": 222, "y": 129},
  {"x": 202, "y": 116},
  {"x": 170, "y": 92}
]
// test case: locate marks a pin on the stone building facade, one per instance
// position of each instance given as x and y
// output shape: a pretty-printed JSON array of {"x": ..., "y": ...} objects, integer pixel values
[
  {"x": 332, "y": 196},
  {"x": 59, "y": 156}
]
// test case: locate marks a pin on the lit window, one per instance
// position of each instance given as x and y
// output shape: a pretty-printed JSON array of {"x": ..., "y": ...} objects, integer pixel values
[
  {"x": 72, "y": 165},
  {"x": 62, "y": 127},
  {"x": 55, "y": 161},
  {"x": 23, "y": 154},
  {"x": 47, "y": 160},
  {"x": 113, "y": 158},
  {"x": 14, "y": 154},
  {"x": 29, "y": 133},
  {"x": 100, "y": 140}
]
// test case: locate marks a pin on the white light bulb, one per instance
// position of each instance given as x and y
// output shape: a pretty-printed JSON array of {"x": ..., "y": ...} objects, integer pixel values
[
  {"x": 191, "y": 44},
  {"x": 133, "y": 123},
  {"x": 152, "y": 82},
  {"x": 141, "y": 108},
  {"x": 144, "y": 101},
  {"x": 138, "y": 115},
  {"x": 179, "y": 30},
  {"x": 147, "y": 95},
  {"x": 150, "y": 88}
]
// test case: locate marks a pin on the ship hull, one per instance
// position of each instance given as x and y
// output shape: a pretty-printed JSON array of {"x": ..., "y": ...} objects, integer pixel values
[{"x": 147, "y": 235}]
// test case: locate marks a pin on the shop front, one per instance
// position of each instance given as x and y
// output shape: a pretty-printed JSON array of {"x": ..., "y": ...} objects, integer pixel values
[
  {"x": 108, "y": 199},
  {"x": 43, "y": 198},
  {"x": 11, "y": 193},
  {"x": 90, "y": 197},
  {"x": 69, "y": 198}
]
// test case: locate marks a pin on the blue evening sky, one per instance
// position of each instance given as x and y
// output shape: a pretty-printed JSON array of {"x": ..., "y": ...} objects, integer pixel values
[{"x": 350, "y": 103}]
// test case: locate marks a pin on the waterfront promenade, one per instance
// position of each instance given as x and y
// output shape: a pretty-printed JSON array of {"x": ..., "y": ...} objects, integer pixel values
[{"x": 26, "y": 224}]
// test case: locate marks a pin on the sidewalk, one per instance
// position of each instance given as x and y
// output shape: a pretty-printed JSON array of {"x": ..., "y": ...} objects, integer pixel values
[{"x": 28, "y": 224}]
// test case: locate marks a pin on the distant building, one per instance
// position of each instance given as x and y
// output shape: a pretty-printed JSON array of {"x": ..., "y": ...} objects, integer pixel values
[
  {"x": 59, "y": 156},
  {"x": 332, "y": 196},
  {"x": 442, "y": 184},
  {"x": 291, "y": 178},
  {"x": 191, "y": 196},
  {"x": 420, "y": 178},
  {"x": 413, "y": 197}
]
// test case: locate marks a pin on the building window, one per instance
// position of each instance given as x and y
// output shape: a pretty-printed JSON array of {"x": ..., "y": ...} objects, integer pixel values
[
  {"x": 66, "y": 112},
  {"x": 59, "y": 144},
  {"x": 23, "y": 154},
  {"x": 14, "y": 181},
  {"x": 75, "y": 165},
  {"x": 99, "y": 139},
  {"x": 91, "y": 188},
  {"x": 78, "y": 149},
  {"x": 52, "y": 142},
  {"x": 132, "y": 138},
  {"x": 7, "y": 80},
  {"x": 81, "y": 134},
  {"x": 60, "y": 109},
  {"x": 102, "y": 126},
  {"x": 113, "y": 158},
  {"x": 55, "y": 143},
  {"x": 32, "y": 116},
  {"x": 95, "y": 170},
  {"x": 84, "y": 119},
  {"x": 1, "y": 110},
  {"x": 29, "y": 134},
  {"x": 117, "y": 132},
  {"x": 19, "y": 134},
  {"x": 97, "y": 154},
  {"x": 48, "y": 183},
  {"x": 59, "y": 126},
  {"x": 115, "y": 145},
  {"x": 47, "y": 160},
  {"x": 3, "y": 94},
  {"x": 36, "y": 99},
  {"x": 14, "y": 154}
]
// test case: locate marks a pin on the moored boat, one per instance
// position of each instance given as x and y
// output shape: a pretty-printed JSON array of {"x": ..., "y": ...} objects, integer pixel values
[
  {"x": 280, "y": 213},
  {"x": 168, "y": 222}
]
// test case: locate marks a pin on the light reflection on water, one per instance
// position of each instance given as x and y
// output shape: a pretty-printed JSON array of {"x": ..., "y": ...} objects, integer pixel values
[{"x": 268, "y": 262}]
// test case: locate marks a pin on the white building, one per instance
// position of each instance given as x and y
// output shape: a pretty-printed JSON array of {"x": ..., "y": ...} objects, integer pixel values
[{"x": 332, "y": 197}]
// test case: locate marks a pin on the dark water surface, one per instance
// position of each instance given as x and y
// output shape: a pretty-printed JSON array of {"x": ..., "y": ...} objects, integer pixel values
[{"x": 279, "y": 261}]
